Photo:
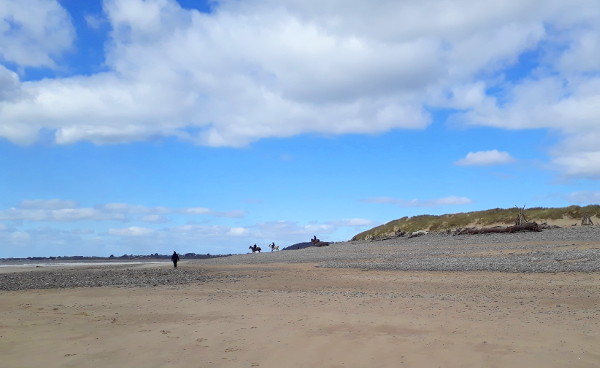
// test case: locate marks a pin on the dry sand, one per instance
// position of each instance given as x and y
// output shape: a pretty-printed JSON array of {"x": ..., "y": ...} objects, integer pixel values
[{"x": 300, "y": 315}]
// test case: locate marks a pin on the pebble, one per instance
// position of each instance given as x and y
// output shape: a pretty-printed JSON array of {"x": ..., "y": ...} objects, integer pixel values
[
  {"x": 97, "y": 276},
  {"x": 552, "y": 252},
  {"x": 498, "y": 252}
]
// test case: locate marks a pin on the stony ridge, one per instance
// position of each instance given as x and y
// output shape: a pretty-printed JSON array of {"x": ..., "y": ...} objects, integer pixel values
[
  {"x": 552, "y": 250},
  {"x": 122, "y": 276},
  {"x": 574, "y": 249}
]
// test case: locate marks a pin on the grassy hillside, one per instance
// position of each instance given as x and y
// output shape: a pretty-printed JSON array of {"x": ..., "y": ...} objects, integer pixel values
[{"x": 497, "y": 216}]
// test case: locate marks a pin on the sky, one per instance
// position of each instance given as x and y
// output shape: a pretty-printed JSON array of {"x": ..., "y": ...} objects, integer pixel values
[{"x": 148, "y": 126}]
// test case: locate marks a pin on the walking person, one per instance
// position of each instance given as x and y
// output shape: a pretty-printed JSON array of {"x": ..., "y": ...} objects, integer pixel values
[{"x": 175, "y": 259}]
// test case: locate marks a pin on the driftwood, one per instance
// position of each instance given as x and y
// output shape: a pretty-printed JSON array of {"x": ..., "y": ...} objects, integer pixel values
[
  {"x": 521, "y": 224},
  {"x": 586, "y": 221},
  {"x": 529, "y": 226},
  {"x": 521, "y": 219},
  {"x": 414, "y": 234}
]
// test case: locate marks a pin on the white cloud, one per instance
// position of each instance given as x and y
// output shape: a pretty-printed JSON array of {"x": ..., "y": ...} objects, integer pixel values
[
  {"x": 66, "y": 211},
  {"x": 208, "y": 211},
  {"x": 484, "y": 158},
  {"x": 19, "y": 237},
  {"x": 154, "y": 219},
  {"x": 580, "y": 164},
  {"x": 198, "y": 211},
  {"x": 584, "y": 197},
  {"x": 193, "y": 232},
  {"x": 261, "y": 68},
  {"x": 10, "y": 88},
  {"x": 34, "y": 33},
  {"x": 579, "y": 155},
  {"x": 438, "y": 202},
  {"x": 127, "y": 208},
  {"x": 292, "y": 232},
  {"x": 238, "y": 231},
  {"x": 58, "y": 215},
  {"x": 353, "y": 222},
  {"x": 131, "y": 231},
  {"x": 99, "y": 239}
]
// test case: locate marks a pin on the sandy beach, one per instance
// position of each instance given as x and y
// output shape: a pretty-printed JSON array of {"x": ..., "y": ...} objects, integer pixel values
[{"x": 301, "y": 314}]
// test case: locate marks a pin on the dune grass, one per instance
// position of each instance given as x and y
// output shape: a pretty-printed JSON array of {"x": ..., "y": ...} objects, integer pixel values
[{"x": 478, "y": 218}]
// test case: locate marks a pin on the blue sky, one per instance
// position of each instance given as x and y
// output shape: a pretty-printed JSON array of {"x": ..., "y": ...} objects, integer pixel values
[{"x": 137, "y": 127}]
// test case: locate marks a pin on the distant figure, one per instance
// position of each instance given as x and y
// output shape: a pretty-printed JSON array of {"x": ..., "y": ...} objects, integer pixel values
[
  {"x": 318, "y": 243},
  {"x": 255, "y": 248},
  {"x": 175, "y": 259},
  {"x": 273, "y": 247}
]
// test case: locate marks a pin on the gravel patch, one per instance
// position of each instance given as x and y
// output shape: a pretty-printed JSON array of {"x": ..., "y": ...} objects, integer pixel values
[
  {"x": 102, "y": 276},
  {"x": 552, "y": 250},
  {"x": 574, "y": 249}
]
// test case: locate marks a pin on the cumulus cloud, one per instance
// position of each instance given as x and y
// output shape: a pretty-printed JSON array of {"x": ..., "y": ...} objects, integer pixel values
[
  {"x": 579, "y": 154},
  {"x": 10, "y": 85},
  {"x": 34, "y": 33},
  {"x": 438, "y": 202},
  {"x": 485, "y": 158},
  {"x": 262, "y": 68}
]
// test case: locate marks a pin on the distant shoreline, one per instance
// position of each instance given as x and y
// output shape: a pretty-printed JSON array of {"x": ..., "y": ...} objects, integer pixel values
[
  {"x": 86, "y": 263},
  {"x": 108, "y": 260}
]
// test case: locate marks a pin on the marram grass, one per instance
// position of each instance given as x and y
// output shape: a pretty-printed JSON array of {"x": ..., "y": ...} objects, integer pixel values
[{"x": 478, "y": 219}]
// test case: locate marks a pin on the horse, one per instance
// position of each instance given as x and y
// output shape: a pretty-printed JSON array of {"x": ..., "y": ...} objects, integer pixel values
[
  {"x": 318, "y": 243},
  {"x": 254, "y": 248},
  {"x": 274, "y": 247}
]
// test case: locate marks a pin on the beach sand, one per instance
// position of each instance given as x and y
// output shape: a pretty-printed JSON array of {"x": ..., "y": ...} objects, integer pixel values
[{"x": 301, "y": 315}]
